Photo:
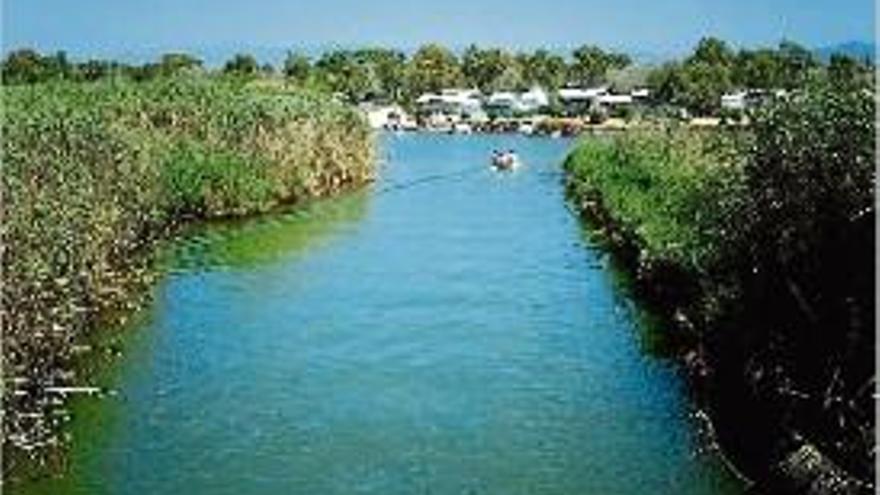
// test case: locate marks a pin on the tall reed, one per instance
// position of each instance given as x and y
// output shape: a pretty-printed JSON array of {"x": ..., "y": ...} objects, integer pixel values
[{"x": 94, "y": 174}]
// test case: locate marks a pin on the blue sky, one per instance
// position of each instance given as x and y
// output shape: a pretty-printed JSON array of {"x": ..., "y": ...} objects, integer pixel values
[{"x": 118, "y": 27}]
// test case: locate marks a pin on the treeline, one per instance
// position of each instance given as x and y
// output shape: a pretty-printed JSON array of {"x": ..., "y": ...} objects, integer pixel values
[
  {"x": 387, "y": 75},
  {"x": 714, "y": 68},
  {"x": 759, "y": 247},
  {"x": 28, "y": 66},
  {"x": 362, "y": 74}
]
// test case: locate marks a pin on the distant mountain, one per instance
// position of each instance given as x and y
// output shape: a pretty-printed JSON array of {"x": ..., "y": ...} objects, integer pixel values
[{"x": 857, "y": 49}]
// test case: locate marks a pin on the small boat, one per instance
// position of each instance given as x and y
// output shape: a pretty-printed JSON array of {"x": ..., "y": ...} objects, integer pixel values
[
  {"x": 462, "y": 128},
  {"x": 505, "y": 160}
]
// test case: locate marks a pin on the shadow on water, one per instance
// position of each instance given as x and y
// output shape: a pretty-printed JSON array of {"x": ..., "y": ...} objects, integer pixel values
[{"x": 652, "y": 331}]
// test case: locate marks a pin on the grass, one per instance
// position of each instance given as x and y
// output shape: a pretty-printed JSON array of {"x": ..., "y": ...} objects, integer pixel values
[{"x": 94, "y": 175}]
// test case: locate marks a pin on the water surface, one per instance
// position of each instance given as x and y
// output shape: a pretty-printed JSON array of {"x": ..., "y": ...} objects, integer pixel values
[{"x": 449, "y": 331}]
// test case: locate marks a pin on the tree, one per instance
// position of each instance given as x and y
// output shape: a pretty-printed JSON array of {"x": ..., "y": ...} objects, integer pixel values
[
  {"x": 57, "y": 65},
  {"x": 94, "y": 70},
  {"x": 483, "y": 68},
  {"x": 512, "y": 77},
  {"x": 24, "y": 66},
  {"x": 544, "y": 69},
  {"x": 667, "y": 83},
  {"x": 617, "y": 61},
  {"x": 705, "y": 83},
  {"x": 297, "y": 67},
  {"x": 591, "y": 64},
  {"x": 845, "y": 72},
  {"x": 242, "y": 64},
  {"x": 796, "y": 63},
  {"x": 343, "y": 73},
  {"x": 387, "y": 71},
  {"x": 175, "y": 63},
  {"x": 628, "y": 78},
  {"x": 712, "y": 51},
  {"x": 699, "y": 82},
  {"x": 433, "y": 68},
  {"x": 759, "y": 69},
  {"x": 695, "y": 85}
]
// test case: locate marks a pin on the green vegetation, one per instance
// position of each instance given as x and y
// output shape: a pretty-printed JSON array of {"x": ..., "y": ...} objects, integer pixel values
[
  {"x": 242, "y": 64},
  {"x": 592, "y": 64},
  {"x": 714, "y": 68},
  {"x": 433, "y": 68},
  {"x": 657, "y": 184},
  {"x": 357, "y": 75},
  {"x": 761, "y": 243},
  {"x": 694, "y": 84},
  {"x": 723, "y": 228},
  {"x": 95, "y": 173}
]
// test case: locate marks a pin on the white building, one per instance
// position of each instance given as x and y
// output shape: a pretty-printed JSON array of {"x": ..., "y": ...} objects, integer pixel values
[
  {"x": 534, "y": 99},
  {"x": 507, "y": 103},
  {"x": 581, "y": 100},
  {"x": 609, "y": 100},
  {"x": 502, "y": 103},
  {"x": 386, "y": 116},
  {"x": 583, "y": 95},
  {"x": 734, "y": 101},
  {"x": 458, "y": 102},
  {"x": 640, "y": 93}
]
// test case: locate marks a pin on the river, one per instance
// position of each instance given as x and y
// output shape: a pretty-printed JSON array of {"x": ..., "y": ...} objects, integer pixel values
[{"x": 448, "y": 331}]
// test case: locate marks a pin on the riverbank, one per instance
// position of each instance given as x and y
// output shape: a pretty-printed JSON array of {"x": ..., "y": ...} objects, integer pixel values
[
  {"x": 96, "y": 174},
  {"x": 754, "y": 247},
  {"x": 396, "y": 341},
  {"x": 544, "y": 125}
]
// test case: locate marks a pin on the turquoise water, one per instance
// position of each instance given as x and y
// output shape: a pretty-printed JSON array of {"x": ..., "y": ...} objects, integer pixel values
[{"x": 449, "y": 331}]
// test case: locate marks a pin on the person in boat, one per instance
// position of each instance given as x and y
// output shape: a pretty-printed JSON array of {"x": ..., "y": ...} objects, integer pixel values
[
  {"x": 504, "y": 159},
  {"x": 497, "y": 158},
  {"x": 511, "y": 158}
]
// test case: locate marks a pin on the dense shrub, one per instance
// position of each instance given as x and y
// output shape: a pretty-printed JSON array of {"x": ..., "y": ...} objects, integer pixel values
[
  {"x": 804, "y": 269},
  {"x": 771, "y": 232},
  {"x": 656, "y": 184}
]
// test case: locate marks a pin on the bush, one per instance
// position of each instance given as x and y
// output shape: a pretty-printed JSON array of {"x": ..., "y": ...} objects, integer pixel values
[
  {"x": 625, "y": 112},
  {"x": 804, "y": 266},
  {"x": 773, "y": 231}
]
